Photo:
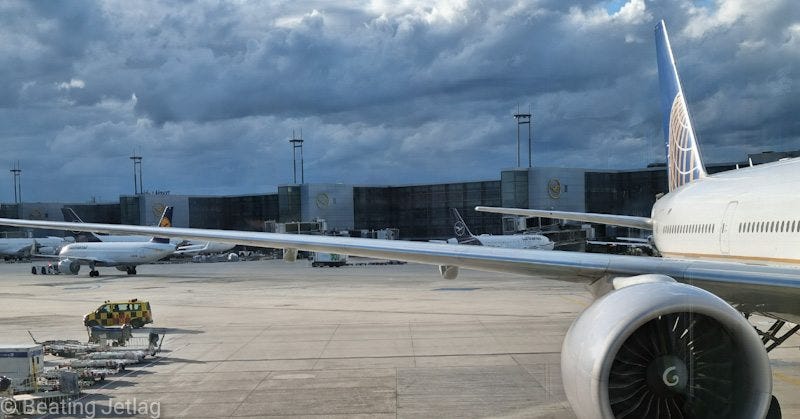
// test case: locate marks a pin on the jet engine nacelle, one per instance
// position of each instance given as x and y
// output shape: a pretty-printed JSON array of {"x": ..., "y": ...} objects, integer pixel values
[
  {"x": 69, "y": 266},
  {"x": 664, "y": 349}
]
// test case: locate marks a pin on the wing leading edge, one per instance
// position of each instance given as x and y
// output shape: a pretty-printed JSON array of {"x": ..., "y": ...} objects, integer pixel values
[{"x": 766, "y": 289}]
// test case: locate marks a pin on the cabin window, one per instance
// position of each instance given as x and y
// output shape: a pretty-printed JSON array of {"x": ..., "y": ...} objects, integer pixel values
[{"x": 783, "y": 224}]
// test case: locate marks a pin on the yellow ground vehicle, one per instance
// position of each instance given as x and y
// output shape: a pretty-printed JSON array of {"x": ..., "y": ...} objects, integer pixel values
[{"x": 134, "y": 312}]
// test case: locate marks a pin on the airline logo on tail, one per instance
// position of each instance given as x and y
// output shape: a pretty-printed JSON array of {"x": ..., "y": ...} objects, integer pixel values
[
  {"x": 460, "y": 229},
  {"x": 683, "y": 156},
  {"x": 460, "y": 226},
  {"x": 166, "y": 221}
]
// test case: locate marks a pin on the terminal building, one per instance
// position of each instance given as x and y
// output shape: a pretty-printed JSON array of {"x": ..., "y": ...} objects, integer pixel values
[{"x": 419, "y": 212}]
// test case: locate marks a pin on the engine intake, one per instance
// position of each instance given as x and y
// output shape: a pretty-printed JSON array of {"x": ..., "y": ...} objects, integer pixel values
[
  {"x": 664, "y": 350},
  {"x": 69, "y": 266}
]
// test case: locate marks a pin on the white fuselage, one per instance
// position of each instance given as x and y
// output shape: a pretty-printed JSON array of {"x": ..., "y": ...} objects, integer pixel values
[
  {"x": 748, "y": 215},
  {"x": 111, "y": 238},
  {"x": 117, "y": 253},
  {"x": 186, "y": 247},
  {"x": 516, "y": 241}
]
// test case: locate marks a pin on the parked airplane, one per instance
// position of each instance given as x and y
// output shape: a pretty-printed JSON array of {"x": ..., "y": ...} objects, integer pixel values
[
  {"x": 21, "y": 247},
  {"x": 658, "y": 342},
  {"x": 184, "y": 247},
  {"x": 125, "y": 256},
  {"x": 511, "y": 241}
]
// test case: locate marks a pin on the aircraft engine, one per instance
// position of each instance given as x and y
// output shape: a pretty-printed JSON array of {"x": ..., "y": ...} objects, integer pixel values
[
  {"x": 664, "y": 350},
  {"x": 69, "y": 266}
]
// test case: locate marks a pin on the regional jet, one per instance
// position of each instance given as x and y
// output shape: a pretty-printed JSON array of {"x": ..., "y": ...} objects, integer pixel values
[
  {"x": 667, "y": 337},
  {"x": 511, "y": 241}
]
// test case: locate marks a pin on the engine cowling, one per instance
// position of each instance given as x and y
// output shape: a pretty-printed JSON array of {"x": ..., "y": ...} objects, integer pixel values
[
  {"x": 664, "y": 349},
  {"x": 69, "y": 266}
]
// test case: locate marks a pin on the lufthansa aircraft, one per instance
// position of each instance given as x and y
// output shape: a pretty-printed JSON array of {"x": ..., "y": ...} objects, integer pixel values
[
  {"x": 124, "y": 256},
  {"x": 511, "y": 241},
  {"x": 667, "y": 337},
  {"x": 184, "y": 248}
]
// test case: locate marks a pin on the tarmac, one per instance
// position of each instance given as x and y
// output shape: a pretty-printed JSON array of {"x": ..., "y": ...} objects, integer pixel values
[{"x": 277, "y": 339}]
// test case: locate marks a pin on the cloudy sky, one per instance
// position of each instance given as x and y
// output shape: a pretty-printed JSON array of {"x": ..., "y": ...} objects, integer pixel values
[{"x": 386, "y": 92}]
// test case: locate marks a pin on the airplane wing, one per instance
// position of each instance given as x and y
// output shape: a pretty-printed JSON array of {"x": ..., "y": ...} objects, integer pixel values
[
  {"x": 619, "y": 243},
  {"x": 765, "y": 289},
  {"x": 644, "y": 223}
]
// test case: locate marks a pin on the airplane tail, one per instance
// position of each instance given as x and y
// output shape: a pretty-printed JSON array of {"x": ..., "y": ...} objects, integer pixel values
[
  {"x": 460, "y": 227},
  {"x": 80, "y": 236},
  {"x": 684, "y": 164},
  {"x": 166, "y": 221}
]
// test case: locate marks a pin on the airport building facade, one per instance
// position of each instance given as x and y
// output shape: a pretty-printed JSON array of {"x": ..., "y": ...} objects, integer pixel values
[{"x": 419, "y": 212}]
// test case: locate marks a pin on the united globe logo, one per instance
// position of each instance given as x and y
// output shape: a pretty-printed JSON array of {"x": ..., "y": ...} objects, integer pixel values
[{"x": 684, "y": 158}]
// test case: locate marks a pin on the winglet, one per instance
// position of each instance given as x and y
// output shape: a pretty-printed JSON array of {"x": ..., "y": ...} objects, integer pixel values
[{"x": 683, "y": 155}]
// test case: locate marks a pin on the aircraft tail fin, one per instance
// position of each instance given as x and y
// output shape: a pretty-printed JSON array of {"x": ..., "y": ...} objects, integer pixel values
[
  {"x": 166, "y": 221},
  {"x": 460, "y": 227},
  {"x": 80, "y": 236},
  {"x": 684, "y": 164}
]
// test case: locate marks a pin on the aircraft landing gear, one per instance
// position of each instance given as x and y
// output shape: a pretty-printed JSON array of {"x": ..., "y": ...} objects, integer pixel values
[
  {"x": 772, "y": 338},
  {"x": 93, "y": 273},
  {"x": 131, "y": 270}
]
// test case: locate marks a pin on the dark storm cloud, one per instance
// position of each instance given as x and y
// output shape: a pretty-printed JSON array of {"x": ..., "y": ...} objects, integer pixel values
[{"x": 209, "y": 92}]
